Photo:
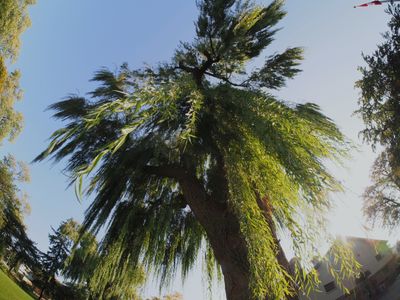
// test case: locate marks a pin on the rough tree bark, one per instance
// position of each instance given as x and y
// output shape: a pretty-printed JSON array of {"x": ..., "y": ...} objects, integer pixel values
[
  {"x": 223, "y": 231},
  {"x": 226, "y": 239}
]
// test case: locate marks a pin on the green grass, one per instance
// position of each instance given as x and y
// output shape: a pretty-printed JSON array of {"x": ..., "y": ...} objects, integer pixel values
[{"x": 9, "y": 290}]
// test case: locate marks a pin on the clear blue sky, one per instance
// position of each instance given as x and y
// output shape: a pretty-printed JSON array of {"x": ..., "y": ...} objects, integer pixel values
[{"x": 69, "y": 40}]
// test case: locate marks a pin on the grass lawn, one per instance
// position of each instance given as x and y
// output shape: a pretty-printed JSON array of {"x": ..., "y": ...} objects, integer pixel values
[{"x": 9, "y": 290}]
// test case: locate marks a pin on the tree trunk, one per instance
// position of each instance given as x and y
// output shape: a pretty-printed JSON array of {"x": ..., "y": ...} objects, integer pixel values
[
  {"x": 41, "y": 293},
  {"x": 228, "y": 243},
  {"x": 222, "y": 228},
  {"x": 223, "y": 232}
]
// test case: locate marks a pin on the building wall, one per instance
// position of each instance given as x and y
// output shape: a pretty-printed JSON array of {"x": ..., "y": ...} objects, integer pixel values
[
  {"x": 366, "y": 251},
  {"x": 374, "y": 256}
]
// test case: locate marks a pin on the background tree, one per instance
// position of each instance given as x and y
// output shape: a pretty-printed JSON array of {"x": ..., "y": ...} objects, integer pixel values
[
  {"x": 94, "y": 269},
  {"x": 14, "y": 19},
  {"x": 61, "y": 242},
  {"x": 53, "y": 262},
  {"x": 380, "y": 110},
  {"x": 196, "y": 151},
  {"x": 113, "y": 279},
  {"x": 15, "y": 246},
  {"x": 82, "y": 262}
]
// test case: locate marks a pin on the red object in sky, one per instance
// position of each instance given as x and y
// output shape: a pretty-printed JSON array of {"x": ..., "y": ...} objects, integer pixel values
[{"x": 375, "y": 3}]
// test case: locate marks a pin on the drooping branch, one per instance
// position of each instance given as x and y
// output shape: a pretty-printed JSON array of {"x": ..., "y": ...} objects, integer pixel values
[
  {"x": 226, "y": 79},
  {"x": 267, "y": 211}
]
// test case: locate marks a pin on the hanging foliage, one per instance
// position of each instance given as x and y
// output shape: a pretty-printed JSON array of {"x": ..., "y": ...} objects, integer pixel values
[{"x": 197, "y": 150}]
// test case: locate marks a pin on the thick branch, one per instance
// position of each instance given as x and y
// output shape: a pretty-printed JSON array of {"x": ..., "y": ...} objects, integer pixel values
[
  {"x": 198, "y": 72},
  {"x": 225, "y": 79},
  {"x": 388, "y": 200},
  {"x": 185, "y": 68},
  {"x": 170, "y": 171}
]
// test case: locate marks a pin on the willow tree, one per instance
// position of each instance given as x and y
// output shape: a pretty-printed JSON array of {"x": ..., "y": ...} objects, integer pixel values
[
  {"x": 93, "y": 270},
  {"x": 197, "y": 150},
  {"x": 380, "y": 111}
]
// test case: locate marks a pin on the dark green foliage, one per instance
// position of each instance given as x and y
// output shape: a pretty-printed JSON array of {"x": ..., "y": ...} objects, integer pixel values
[
  {"x": 15, "y": 246},
  {"x": 98, "y": 273},
  {"x": 53, "y": 262},
  {"x": 380, "y": 111},
  {"x": 68, "y": 292},
  {"x": 167, "y": 148},
  {"x": 61, "y": 242},
  {"x": 83, "y": 260}
]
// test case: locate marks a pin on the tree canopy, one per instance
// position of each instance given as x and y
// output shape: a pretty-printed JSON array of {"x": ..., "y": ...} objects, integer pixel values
[
  {"x": 93, "y": 269},
  {"x": 14, "y": 19},
  {"x": 380, "y": 111},
  {"x": 199, "y": 152},
  {"x": 61, "y": 242},
  {"x": 15, "y": 246}
]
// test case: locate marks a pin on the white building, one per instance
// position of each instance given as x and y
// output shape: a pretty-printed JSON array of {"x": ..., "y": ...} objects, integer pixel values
[
  {"x": 378, "y": 268},
  {"x": 25, "y": 274}
]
